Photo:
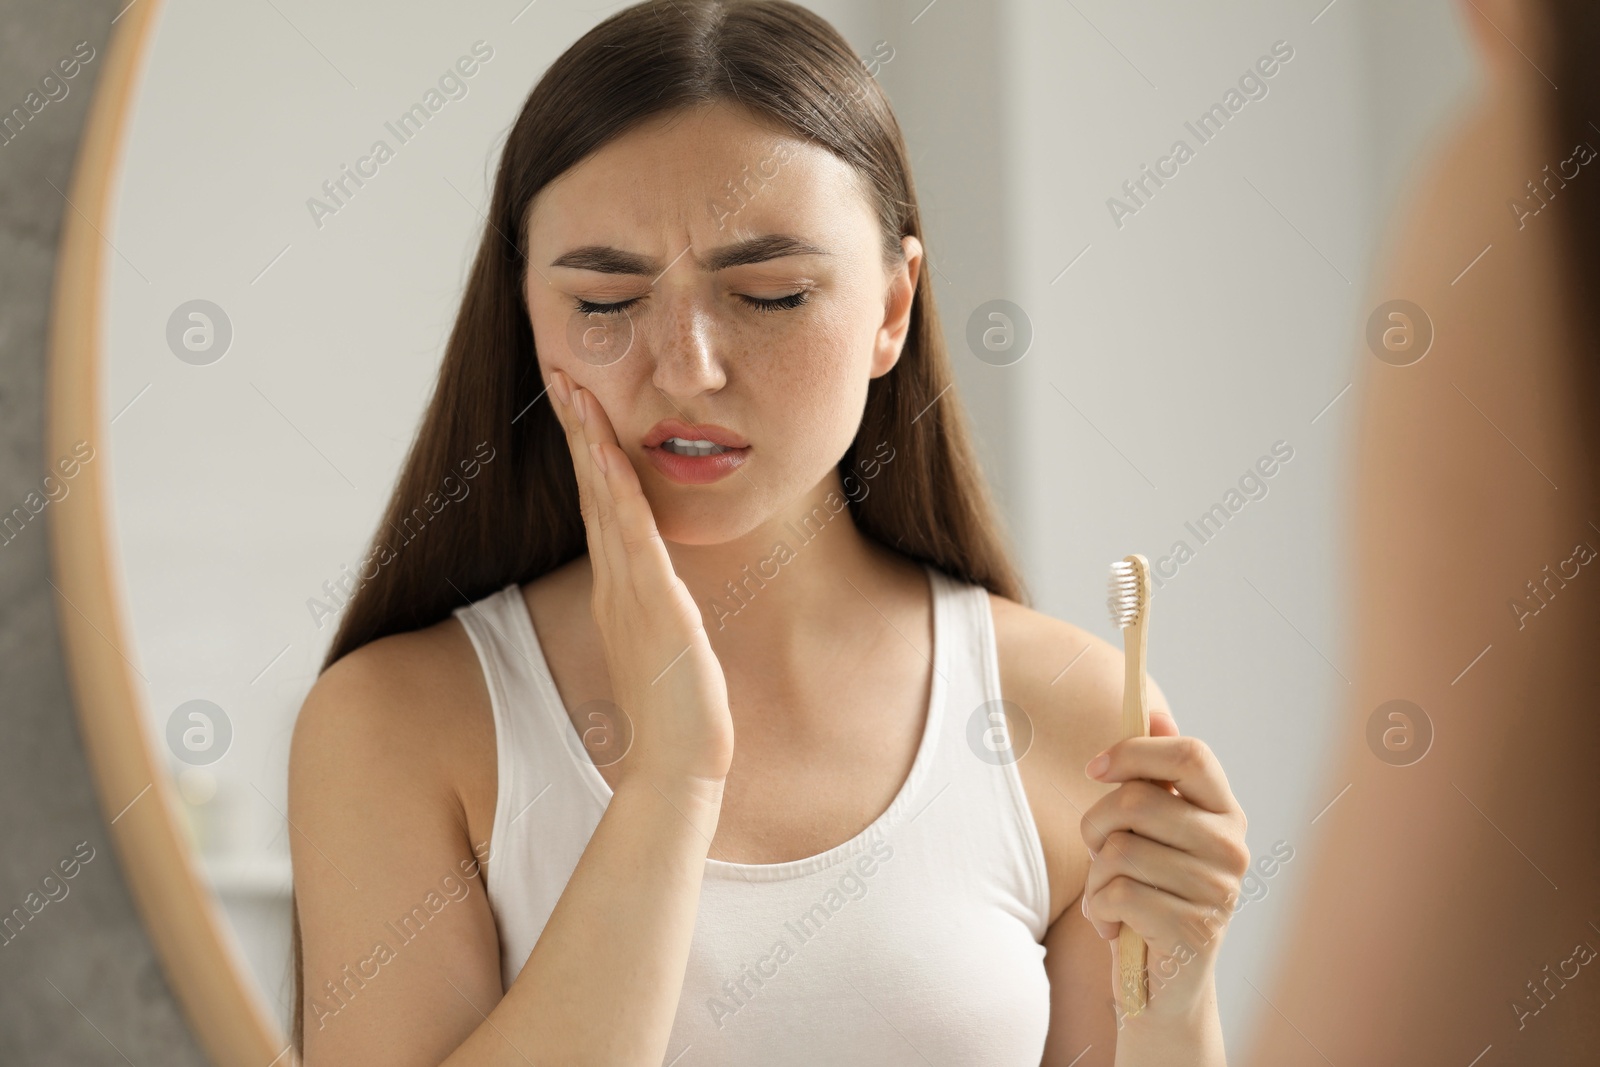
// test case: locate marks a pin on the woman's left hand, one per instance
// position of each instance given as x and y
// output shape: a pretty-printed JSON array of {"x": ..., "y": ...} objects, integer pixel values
[{"x": 1166, "y": 861}]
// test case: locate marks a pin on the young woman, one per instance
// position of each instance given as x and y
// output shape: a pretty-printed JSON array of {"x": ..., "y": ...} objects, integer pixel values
[{"x": 676, "y": 738}]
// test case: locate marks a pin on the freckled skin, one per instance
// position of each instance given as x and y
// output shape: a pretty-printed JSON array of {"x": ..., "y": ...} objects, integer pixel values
[{"x": 792, "y": 382}]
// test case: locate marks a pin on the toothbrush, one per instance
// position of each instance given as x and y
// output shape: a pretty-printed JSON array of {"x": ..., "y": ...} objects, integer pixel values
[{"x": 1129, "y": 601}]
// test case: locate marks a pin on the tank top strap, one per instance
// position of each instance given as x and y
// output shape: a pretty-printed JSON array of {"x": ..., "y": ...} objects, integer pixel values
[
  {"x": 533, "y": 735},
  {"x": 979, "y": 753}
]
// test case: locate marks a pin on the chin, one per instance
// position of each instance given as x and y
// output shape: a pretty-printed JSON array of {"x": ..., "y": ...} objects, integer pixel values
[
  {"x": 702, "y": 530},
  {"x": 704, "y": 521}
]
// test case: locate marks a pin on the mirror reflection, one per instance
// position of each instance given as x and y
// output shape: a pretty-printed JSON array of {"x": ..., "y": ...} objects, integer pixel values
[{"x": 617, "y": 506}]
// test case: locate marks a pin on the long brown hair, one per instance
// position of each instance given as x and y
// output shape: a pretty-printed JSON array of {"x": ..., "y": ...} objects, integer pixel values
[
  {"x": 1573, "y": 28},
  {"x": 519, "y": 517}
]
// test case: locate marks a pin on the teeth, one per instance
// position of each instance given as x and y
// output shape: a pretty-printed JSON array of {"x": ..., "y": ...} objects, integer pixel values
[{"x": 684, "y": 447}]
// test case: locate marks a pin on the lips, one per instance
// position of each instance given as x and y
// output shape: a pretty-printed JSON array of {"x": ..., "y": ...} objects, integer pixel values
[{"x": 705, "y": 431}]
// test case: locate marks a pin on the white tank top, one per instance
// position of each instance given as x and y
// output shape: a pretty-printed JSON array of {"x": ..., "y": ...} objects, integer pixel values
[{"x": 917, "y": 941}]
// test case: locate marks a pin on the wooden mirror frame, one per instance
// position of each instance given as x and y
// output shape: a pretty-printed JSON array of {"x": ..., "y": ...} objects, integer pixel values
[{"x": 220, "y": 997}]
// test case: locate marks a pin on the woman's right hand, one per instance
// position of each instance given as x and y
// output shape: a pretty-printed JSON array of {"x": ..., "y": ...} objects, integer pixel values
[{"x": 664, "y": 675}]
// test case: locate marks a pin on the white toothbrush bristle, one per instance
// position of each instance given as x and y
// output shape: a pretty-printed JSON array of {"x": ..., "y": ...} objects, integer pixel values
[{"x": 1124, "y": 594}]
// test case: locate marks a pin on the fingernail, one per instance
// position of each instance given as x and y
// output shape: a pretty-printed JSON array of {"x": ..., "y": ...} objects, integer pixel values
[
  {"x": 1097, "y": 766},
  {"x": 1083, "y": 905},
  {"x": 558, "y": 384},
  {"x": 580, "y": 402},
  {"x": 598, "y": 456}
]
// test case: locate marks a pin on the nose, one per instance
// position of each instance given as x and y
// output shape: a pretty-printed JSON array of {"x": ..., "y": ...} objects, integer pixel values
[{"x": 686, "y": 348}]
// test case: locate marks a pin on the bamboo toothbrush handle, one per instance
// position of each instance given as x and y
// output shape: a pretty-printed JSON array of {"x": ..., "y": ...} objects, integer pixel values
[{"x": 1135, "y": 723}]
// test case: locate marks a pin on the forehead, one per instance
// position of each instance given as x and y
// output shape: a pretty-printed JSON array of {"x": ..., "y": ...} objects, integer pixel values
[{"x": 715, "y": 173}]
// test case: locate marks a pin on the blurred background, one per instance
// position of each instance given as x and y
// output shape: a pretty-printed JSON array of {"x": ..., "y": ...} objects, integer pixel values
[{"x": 1162, "y": 339}]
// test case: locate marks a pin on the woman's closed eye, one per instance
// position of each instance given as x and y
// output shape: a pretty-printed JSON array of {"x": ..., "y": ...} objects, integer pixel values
[{"x": 782, "y": 303}]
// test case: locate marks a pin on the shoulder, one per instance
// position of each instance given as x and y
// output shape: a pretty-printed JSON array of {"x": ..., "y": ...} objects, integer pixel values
[
  {"x": 1065, "y": 684},
  {"x": 1066, "y": 679},
  {"x": 391, "y": 794},
  {"x": 405, "y": 715}
]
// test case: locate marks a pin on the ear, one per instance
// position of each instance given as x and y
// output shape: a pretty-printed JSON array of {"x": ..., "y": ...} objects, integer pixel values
[
  {"x": 891, "y": 337},
  {"x": 1509, "y": 36}
]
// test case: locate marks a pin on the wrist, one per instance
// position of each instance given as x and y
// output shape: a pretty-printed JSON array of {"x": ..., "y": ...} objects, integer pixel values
[
  {"x": 693, "y": 795},
  {"x": 1183, "y": 1028}
]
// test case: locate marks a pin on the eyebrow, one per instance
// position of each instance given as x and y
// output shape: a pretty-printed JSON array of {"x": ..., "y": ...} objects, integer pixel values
[{"x": 607, "y": 260}]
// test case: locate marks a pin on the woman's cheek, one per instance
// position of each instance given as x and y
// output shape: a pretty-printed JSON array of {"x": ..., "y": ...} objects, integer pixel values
[
  {"x": 821, "y": 389},
  {"x": 838, "y": 420}
]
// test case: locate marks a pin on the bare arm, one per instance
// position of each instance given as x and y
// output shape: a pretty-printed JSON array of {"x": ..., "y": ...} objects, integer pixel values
[
  {"x": 1083, "y": 1021},
  {"x": 381, "y": 853},
  {"x": 1075, "y": 716},
  {"x": 1443, "y": 884},
  {"x": 1081, "y": 715},
  {"x": 370, "y": 785}
]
